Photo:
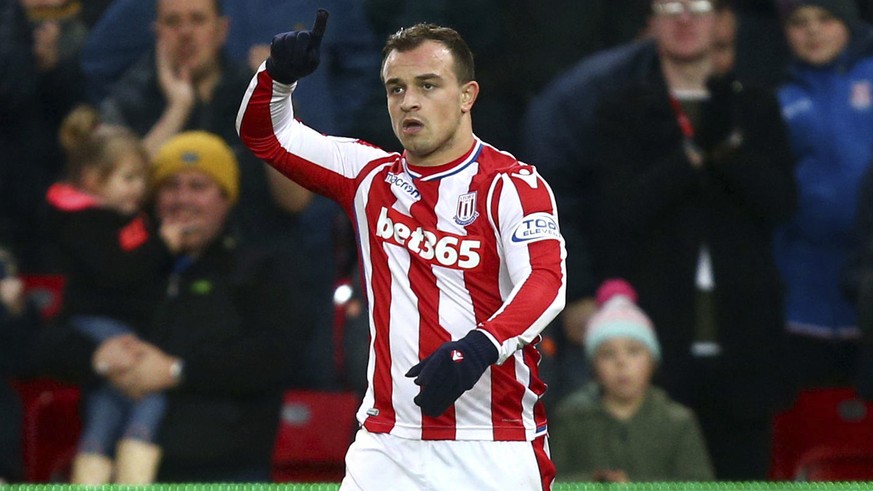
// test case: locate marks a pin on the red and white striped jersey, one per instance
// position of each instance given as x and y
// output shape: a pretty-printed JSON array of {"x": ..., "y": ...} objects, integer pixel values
[{"x": 473, "y": 243}]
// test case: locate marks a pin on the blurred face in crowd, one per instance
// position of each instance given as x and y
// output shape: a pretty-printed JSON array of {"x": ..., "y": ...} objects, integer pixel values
[
  {"x": 197, "y": 202},
  {"x": 815, "y": 36},
  {"x": 724, "y": 48},
  {"x": 683, "y": 29},
  {"x": 428, "y": 105},
  {"x": 125, "y": 187},
  {"x": 193, "y": 33},
  {"x": 624, "y": 368}
]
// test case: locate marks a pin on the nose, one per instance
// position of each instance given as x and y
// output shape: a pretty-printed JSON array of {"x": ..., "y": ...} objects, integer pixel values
[{"x": 410, "y": 101}]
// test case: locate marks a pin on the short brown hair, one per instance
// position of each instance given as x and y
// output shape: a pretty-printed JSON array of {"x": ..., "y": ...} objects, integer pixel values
[{"x": 409, "y": 38}]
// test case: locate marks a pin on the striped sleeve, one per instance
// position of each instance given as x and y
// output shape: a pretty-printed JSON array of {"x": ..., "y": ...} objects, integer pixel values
[{"x": 524, "y": 216}]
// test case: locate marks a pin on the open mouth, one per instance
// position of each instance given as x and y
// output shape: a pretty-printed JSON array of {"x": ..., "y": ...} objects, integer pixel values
[{"x": 411, "y": 126}]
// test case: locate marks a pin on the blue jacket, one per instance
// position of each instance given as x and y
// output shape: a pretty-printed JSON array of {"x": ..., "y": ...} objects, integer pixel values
[{"x": 829, "y": 113}]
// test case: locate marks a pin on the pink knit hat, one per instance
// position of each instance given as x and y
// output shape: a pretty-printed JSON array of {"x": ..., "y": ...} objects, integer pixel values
[{"x": 619, "y": 316}]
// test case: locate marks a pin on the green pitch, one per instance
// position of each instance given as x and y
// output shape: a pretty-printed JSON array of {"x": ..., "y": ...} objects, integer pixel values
[{"x": 708, "y": 486}]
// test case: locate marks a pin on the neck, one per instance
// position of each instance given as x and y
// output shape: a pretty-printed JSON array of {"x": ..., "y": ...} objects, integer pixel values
[
  {"x": 452, "y": 149},
  {"x": 686, "y": 75},
  {"x": 623, "y": 409}
]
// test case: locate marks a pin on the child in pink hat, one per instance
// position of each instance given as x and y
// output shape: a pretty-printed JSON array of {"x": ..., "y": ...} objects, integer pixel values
[{"x": 621, "y": 428}]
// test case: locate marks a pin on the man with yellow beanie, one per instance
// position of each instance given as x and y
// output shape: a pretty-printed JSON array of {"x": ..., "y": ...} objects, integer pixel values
[
  {"x": 202, "y": 161},
  {"x": 222, "y": 334}
]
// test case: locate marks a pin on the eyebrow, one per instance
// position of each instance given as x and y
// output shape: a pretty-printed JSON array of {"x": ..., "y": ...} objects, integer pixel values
[{"x": 420, "y": 78}]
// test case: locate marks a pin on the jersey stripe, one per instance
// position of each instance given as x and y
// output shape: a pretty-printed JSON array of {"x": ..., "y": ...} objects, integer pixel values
[{"x": 381, "y": 283}]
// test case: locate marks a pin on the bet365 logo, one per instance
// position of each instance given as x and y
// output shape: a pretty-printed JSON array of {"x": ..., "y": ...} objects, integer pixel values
[{"x": 436, "y": 247}]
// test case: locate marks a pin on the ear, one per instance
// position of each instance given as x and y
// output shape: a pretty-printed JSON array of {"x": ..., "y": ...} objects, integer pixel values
[{"x": 469, "y": 93}]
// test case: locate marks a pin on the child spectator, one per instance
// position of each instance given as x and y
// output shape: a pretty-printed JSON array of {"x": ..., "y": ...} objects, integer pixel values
[
  {"x": 827, "y": 103},
  {"x": 113, "y": 260},
  {"x": 621, "y": 428}
]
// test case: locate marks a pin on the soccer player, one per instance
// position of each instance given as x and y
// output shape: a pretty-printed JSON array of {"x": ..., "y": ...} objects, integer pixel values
[{"x": 462, "y": 263}]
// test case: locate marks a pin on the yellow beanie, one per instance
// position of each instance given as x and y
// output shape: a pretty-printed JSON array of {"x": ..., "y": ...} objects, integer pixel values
[{"x": 202, "y": 151}]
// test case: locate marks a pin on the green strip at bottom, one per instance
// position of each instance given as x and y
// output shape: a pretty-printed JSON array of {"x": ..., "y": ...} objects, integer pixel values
[{"x": 564, "y": 486}]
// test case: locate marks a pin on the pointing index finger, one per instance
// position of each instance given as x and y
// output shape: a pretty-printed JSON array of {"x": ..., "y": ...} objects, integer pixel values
[{"x": 320, "y": 22}]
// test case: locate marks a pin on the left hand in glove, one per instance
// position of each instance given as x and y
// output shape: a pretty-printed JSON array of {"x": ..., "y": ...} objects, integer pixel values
[{"x": 451, "y": 370}]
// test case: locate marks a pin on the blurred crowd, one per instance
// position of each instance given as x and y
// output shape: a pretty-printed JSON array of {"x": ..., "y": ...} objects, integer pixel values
[{"x": 714, "y": 155}]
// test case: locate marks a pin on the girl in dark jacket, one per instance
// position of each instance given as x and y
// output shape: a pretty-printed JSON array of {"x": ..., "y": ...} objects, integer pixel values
[{"x": 113, "y": 261}]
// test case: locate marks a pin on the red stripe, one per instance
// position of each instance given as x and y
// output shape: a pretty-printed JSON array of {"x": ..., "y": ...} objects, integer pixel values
[
  {"x": 545, "y": 464},
  {"x": 256, "y": 131},
  {"x": 506, "y": 396},
  {"x": 506, "y": 392},
  {"x": 541, "y": 254},
  {"x": 383, "y": 386}
]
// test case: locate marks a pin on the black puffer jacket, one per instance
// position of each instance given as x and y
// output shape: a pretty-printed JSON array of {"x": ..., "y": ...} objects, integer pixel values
[{"x": 237, "y": 322}]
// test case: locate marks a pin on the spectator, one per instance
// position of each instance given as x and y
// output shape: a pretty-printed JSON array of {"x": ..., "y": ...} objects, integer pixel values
[
  {"x": 557, "y": 133},
  {"x": 122, "y": 36},
  {"x": 223, "y": 333},
  {"x": 37, "y": 89},
  {"x": 828, "y": 106},
  {"x": 188, "y": 82},
  {"x": 462, "y": 261},
  {"x": 19, "y": 321},
  {"x": 761, "y": 52},
  {"x": 113, "y": 258},
  {"x": 696, "y": 172},
  {"x": 621, "y": 428},
  {"x": 724, "y": 49}
]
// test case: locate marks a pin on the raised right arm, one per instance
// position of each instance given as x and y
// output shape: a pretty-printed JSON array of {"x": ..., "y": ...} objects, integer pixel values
[{"x": 266, "y": 124}]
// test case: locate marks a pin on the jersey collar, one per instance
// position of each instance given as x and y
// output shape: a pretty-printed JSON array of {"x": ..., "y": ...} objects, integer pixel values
[{"x": 427, "y": 173}]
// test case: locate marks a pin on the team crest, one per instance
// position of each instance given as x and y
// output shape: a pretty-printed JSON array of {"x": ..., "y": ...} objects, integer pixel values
[
  {"x": 466, "y": 212},
  {"x": 861, "y": 95}
]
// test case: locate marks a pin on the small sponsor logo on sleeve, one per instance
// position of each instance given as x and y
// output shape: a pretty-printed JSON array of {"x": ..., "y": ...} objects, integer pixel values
[{"x": 535, "y": 227}]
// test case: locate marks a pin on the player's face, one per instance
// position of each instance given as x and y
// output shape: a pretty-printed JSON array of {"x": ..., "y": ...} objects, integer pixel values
[
  {"x": 192, "y": 31},
  {"x": 196, "y": 201},
  {"x": 815, "y": 36},
  {"x": 683, "y": 29},
  {"x": 124, "y": 189},
  {"x": 428, "y": 106},
  {"x": 624, "y": 368}
]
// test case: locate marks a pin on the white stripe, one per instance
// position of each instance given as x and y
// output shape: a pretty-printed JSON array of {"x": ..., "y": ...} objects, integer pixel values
[{"x": 403, "y": 340}]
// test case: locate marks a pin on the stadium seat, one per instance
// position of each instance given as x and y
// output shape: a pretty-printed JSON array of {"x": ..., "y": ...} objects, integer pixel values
[
  {"x": 50, "y": 429},
  {"x": 50, "y": 410},
  {"x": 830, "y": 464},
  {"x": 46, "y": 292},
  {"x": 316, "y": 429},
  {"x": 826, "y": 422}
]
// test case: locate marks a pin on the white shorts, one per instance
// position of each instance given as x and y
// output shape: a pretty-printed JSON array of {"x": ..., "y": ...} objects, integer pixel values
[{"x": 383, "y": 462}]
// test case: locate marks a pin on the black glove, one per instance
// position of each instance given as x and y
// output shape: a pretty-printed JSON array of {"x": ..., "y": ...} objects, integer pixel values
[
  {"x": 718, "y": 118},
  {"x": 295, "y": 54},
  {"x": 451, "y": 370}
]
